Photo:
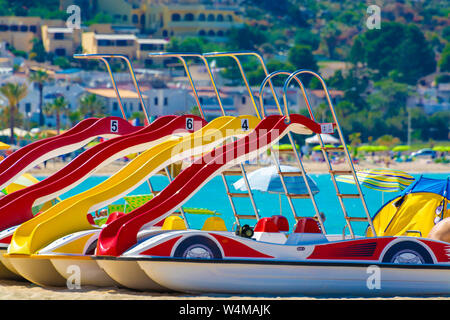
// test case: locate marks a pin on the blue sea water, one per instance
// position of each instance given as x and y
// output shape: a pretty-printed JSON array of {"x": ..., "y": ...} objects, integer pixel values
[{"x": 213, "y": 196}]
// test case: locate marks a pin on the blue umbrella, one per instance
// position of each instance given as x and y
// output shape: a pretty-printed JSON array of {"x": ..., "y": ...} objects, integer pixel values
[{"x": 267, "y": 180}]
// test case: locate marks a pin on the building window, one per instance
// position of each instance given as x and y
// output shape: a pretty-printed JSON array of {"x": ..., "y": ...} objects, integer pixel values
[
  {"x": 135, "y": 18},
  {"x": 124, "y": 106},
  {"x": 103, "y": 43},
  {"x": 176, "y": 17},
  {"x": 23, "y": 28},
  {"x": 33, "y": 29},
  {"x": 211, "y": 33},
  {"x": 27, "y": 107},
  {"x": 155, "y": 101},
  {"x": 121, "y": 43},
  {"x": 4, "y": 27},
  {"x": 243, "y": 100},
  {"x": 219, "y": 17},
  {"x": 115, "y": 106},
  {"x": 166, "y": 101},
  {"x": 202, "y": 33},
  {"x": 230, "y": 17},
  {"x": 60, "y": 51},
  {"x": 14, "y": 28},
  {"x": 210, "y": 17},
  {"x": 189, "y": 17},
  {"x": 131, "y": 107},
  {"x": 58, "y": 36},
  {"x": 143, "y": 19},
  {"x": 125, "y": 17},
  {"x": 164, "y": 33},
  {"x": 220, "y": 33},
  {"x": 201, "y": 17}
]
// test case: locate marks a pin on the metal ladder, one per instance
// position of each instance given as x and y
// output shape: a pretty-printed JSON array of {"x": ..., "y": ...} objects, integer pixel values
[
  {"x": 290, "y": 196},
  {"x": 242, "y": 171},
  {"x": 103, "y": 58},
  {"x": 326, "y": 150}
]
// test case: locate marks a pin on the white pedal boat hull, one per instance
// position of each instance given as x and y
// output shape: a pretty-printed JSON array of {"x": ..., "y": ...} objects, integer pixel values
[
  {"x": 87, "y": 270},
  {"x": 300, "y": 279},
  {"x": 36, "y": 270},
  {"x": 129, "y": 274}
]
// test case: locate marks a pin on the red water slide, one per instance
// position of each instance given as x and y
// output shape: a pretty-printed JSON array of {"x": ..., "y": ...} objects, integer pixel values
[
  {"x": 15, "y": 208},
  {"x": 121, "y": 234},
  {"x": 35, "y": 153}
]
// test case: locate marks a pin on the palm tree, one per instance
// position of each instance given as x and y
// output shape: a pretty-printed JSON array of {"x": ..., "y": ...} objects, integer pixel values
[
  {"x": 91, "y": 106},
  {"x": 57, "y": 106},
  {"x": 13, "y": 92},
  {"x": 40, "y": 77}
]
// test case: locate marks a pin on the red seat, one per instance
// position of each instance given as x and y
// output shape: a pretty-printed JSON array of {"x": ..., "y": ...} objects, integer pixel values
[
  {"x": 266, "y": 225},
  {"x": 281, "y": 222},
  {"x": 307, "y": 225}
]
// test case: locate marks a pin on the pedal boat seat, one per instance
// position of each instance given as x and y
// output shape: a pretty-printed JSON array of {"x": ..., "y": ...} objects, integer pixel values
[
  {"x": 267, "y": 231},
  {"x": 214, "y": 224},
  {"x": 307, "y": 231}
]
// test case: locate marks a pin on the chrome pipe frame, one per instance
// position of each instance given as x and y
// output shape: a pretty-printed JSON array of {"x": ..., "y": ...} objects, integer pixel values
[
  {"x": 341, "y": 136},
  {"x": 103, "y": 57},
  {"x": 297, "y": 156}
]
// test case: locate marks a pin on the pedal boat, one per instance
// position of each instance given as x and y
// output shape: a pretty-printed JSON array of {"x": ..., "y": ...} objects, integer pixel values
[{"x": 306, "y": 263}]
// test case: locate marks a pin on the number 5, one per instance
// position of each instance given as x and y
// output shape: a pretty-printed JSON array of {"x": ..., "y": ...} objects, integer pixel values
[{"x": 114, "y": 126}]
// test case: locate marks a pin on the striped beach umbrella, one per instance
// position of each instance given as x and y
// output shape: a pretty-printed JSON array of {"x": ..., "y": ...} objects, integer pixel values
[{"x": 385, "y": 180}]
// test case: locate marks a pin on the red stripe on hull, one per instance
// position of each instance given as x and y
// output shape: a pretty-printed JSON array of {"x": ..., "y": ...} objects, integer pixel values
[
  {"x": 233, "y": 248},
  {"x": 367, "y": 249}
]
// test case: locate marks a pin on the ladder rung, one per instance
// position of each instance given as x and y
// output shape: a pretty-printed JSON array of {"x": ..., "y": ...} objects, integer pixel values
[
  {"x": 340, "y": 172},
  {"x": 232, "y": 173},
  {"x": 357, "y": 219},
  {"x": 291, "y": 174},
  {"x": 333, "y": 149},
  {"x": 349, "y": 195},
  {"x": 315, "y": 218},
  {"x": 298, "y": 195},
  {"x": 238, "y": 194},
  {"x": 246, "y": 216}
]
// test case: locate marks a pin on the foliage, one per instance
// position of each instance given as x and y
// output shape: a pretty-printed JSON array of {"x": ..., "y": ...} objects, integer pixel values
[
  {"x": 401, "y": 49},
  {"x": 14, "y": 93},
  {"x": 92, "y": 106}
]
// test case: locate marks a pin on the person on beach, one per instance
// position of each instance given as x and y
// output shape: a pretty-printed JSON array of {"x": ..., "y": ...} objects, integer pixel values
[{"x": 441, "y": 231}]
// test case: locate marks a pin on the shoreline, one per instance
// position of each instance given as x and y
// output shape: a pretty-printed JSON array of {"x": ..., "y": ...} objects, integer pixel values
[{"x": 415, "y": 167}]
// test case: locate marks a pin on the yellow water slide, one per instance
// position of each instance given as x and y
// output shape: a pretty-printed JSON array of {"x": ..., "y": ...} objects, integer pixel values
[{"x": 69, "y": 216}]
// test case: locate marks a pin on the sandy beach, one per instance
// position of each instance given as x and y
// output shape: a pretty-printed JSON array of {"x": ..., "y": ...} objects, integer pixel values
[{"x": 22, "y": 290}]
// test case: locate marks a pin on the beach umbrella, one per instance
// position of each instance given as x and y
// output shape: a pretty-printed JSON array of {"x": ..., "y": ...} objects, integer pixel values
[
  {"x": 384, "y": 180},
  {"x": 267, "y": 180},
  {"x": 4, "y": 146},
  {"x": 24, "y": 181},
  {"x": 401, "y": 148},
  {"x": 326, "y": 138}
]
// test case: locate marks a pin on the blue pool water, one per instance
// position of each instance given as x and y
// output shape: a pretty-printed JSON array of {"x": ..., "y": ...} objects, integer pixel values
[{"x": 212, "y": 196}]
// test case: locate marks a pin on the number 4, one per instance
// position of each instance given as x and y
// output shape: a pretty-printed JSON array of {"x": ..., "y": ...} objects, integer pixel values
[{"x": 244, "y": 124}]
